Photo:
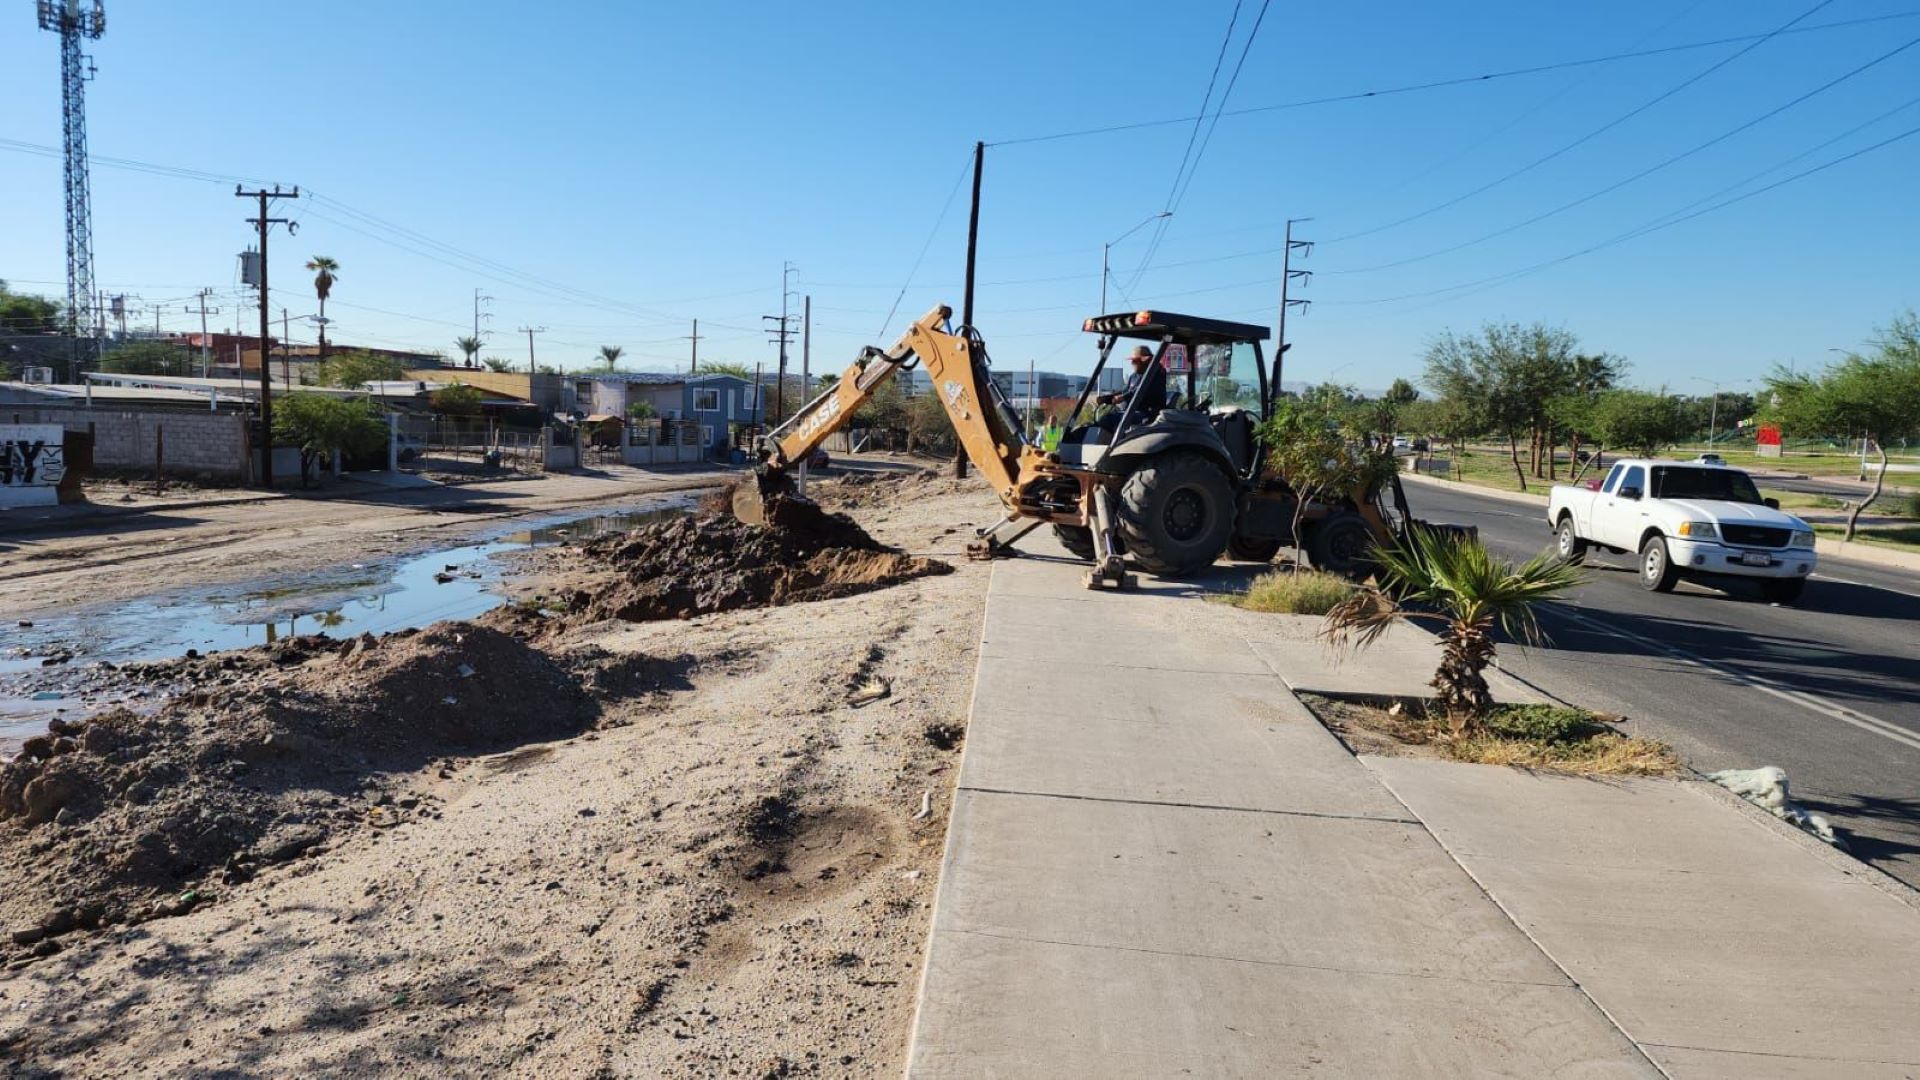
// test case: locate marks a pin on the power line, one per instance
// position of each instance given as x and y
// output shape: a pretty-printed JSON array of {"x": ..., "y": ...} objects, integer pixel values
[
  {"x": 1180, "y": 187},
  {"x": 1591, "y": 135},
  {"x": 1461, "y": 80},
  {"x": 924, "y": 248},
  {"x": 1648, "y": 171},
  {"x": 1665, "y": 221},
  {"x": 1538, "y": 105}
]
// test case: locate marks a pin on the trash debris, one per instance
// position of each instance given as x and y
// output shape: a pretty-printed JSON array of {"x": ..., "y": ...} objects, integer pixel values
[
  {"x": 1766, "y": 788},
  {"x": 926, "y": 806},
  {"x": 869, "y": 692}
]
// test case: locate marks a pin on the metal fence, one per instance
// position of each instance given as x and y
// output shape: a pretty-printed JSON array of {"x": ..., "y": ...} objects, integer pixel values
[{"x": 460, "y": 444}]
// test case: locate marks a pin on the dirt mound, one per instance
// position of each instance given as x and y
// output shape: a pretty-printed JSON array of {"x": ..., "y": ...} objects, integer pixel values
[
  {"x": 695, "y": 565},
  {"x": 263, "y": 754}
]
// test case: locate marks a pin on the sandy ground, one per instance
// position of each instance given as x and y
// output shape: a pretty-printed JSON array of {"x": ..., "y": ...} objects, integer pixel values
[
  {"x": 732, "y": 877},
  {"x": 74, "y": 557}
]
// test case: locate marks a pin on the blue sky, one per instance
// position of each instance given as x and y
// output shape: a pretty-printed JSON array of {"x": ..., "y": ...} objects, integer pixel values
[{"x": 664, "y": 160}]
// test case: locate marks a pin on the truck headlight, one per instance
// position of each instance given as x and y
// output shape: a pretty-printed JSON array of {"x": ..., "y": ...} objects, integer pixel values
[
  {"x": 1699, "y": 530},
  {"x": 1802, "y": 540}
]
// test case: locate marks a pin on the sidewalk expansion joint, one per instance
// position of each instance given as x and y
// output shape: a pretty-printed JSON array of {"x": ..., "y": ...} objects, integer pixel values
[
  {"x": 985, "y": 655},
  {"x": 1291, "y": 964},
  {"x": 1784, "y": 1057},
  {"x": 1191, "y": 805}
]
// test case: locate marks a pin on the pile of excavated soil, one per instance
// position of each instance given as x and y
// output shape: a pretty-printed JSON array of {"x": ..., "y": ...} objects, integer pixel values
[
  {"x": 697, "y": 565},
  {"x": 262, "y": 755}
]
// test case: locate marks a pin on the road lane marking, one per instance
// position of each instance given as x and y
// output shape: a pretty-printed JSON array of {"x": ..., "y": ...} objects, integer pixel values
[
  {"x": 1761, "y": 683},
  {"x": 1822, "y": 575}
]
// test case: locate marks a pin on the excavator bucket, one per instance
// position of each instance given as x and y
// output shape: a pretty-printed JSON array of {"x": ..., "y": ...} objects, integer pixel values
[{"x": 758, "y": 495}]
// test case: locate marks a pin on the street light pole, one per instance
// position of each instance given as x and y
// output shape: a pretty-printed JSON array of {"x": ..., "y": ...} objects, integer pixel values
[{"x": 1108, "y": 246}]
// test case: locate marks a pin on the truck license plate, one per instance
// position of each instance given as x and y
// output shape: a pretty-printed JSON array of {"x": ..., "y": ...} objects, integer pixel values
[{"x": 1755, "y": 558}]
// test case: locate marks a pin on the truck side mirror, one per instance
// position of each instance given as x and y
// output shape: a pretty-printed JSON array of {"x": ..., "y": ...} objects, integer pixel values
[
  {"x": 1630, "y": 492},
  {"x": 1771, "y": 502}
]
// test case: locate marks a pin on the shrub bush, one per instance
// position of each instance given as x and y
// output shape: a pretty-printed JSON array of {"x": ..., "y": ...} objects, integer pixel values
[{"x": 1303, "y": 592}]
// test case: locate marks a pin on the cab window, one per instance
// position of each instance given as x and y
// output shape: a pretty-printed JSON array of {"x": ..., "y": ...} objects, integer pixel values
[
  {"x": 1636, "y": 477},
  {"x": 1613, "y": 478}
]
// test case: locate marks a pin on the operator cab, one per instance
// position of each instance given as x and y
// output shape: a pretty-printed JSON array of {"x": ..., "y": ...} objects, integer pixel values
[{"x": 1187, "y": 395}]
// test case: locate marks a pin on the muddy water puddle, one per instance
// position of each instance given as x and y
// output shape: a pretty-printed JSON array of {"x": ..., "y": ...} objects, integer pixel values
[{"x": 62, "y": 664}]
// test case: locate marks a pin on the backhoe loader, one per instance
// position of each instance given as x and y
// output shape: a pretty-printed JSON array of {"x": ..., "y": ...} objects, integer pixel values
[{"x": 1170, "y": 482}]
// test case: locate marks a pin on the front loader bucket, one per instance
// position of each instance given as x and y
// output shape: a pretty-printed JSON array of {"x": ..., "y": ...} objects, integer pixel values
[{"x": 758, "y": 493}]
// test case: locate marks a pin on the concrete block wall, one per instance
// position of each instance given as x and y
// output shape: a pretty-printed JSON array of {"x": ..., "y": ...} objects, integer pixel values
[{"x": 195, "y": 442}]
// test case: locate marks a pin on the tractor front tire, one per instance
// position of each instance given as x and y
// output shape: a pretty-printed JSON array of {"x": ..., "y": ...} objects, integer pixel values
[
  {"x": 1077, "y": 539},
  {"x": 1253, "y": 549},
  {"x": 1342, "y": 543},
  {"x": 1176, "y": 513}
]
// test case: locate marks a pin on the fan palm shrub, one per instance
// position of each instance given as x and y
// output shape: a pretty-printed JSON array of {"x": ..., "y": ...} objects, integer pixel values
[{"x": 1429, "y": 576}]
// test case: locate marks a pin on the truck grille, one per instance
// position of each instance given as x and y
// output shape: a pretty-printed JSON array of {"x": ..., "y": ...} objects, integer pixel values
[{"x": 1755, "y": 535}]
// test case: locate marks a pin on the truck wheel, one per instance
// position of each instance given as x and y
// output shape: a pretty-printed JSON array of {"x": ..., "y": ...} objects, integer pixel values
[
  {"x": 1572, "y": 549},
  {"x": 1077, "y": 539},
  {"x": 1342, "y": 543},
  {"x": 1656, "y": 570},
  {"x": 1176, "y": 513},
  {"x": 1250, "y": 549},
  {"x": 1783, "y": 592}
]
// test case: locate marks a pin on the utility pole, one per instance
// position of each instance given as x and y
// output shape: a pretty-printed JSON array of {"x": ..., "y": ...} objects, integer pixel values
[
  {"x": 73, "y": 21},
  {"x": 693, "y": 362},
  {"x": 1287, "y": 277},
  {"x": 782, "y": 333},
  {"x": 206, "y": 356},
  {"x": 966, "y": 306},
  {"x": 264, "y": 223},
  {"x": 532, "y": 369},
  {"x": 806, "y": 348},
  {"x": 477, "y": 299},
  {"x": 286, "y": 349}
]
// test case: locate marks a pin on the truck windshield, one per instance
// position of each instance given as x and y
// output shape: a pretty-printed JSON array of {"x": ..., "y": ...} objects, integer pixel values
[{"x": 1728, "y": 485}]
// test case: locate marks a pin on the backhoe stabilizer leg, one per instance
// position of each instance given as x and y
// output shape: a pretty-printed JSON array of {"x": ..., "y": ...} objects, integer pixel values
[
  {"x": 1109, "y": 566},
  {"x": 996, "y": 541}
]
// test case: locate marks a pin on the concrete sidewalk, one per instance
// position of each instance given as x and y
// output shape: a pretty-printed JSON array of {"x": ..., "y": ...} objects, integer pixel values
[{"x": 1160, "y": 864}]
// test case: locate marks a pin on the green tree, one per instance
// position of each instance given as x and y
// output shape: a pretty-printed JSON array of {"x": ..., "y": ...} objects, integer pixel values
[
  {"x": 611, "y": 354},
  {"x": 321, "y": 424},
  {"x": 642, "y": 410},
  {"x": 148, "y": 358},
  {"x": 1874, "y": 395},
  {"x": 1317, "y": 456},
  {"x": 458, "y": 399},
  {"x": 355, "y": 369},
  {"x": 928, "y": 425},
  {"x": 326, "y": 270},
  {"x": 728, "y": 367},
  {"x": 1506, "y": 375},
  {"x": 1383, "y": 413},
  {"x": 1638, "y": 420},
  {"x": 21, "y": 313},
  {"x": 494, "y": 363},
  {"x": 1458, "y": 583},
  {"x": 469, "y": 347}
]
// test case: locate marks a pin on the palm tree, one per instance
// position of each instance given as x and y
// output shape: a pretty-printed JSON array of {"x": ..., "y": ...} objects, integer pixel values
[
  {"x": 1459, "y": 584},
  {"x": 470, "y": 346},
  {"x": 611, "y": 354},
  {"x": 325, "y": 269}
]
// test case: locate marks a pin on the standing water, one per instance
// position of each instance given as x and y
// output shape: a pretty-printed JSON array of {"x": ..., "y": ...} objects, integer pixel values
[{"x": 48, "y": 668}]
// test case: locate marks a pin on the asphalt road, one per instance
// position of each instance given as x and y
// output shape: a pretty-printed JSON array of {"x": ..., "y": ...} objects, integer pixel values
[{"x": 1828, "y": 690}]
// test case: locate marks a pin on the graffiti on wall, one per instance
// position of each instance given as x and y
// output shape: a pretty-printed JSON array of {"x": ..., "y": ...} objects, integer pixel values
[{"x": 32, "y": 464}]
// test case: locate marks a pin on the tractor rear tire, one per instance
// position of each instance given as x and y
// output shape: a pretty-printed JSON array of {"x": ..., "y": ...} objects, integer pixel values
[
  {"x": 1176, "y": 513},
  {"x": 1342, "y": 543},
  {"x": 1077, "y": 539},
  {"x": 1251, "y": 549}
]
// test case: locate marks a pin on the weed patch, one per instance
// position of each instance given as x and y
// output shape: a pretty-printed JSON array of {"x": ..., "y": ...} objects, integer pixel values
[{"x": 1295, "y": 592}]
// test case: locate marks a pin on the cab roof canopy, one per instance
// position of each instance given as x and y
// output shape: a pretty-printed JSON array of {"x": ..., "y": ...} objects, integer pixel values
[{"x": 1154, "y": 325}]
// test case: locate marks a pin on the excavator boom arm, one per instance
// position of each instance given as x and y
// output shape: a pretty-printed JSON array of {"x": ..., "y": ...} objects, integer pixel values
[{"x": 959, "y": 382}]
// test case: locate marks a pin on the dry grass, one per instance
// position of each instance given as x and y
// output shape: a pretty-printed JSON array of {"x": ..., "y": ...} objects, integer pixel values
[
  {"x": 1291, "y": 592},
  {"x": 1523, "y": 736}
]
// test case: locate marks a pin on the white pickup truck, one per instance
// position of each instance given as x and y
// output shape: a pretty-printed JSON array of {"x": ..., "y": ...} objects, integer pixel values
[{"x": 1701, "y": 522}]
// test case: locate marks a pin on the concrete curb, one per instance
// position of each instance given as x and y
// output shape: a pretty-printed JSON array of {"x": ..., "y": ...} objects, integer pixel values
[
  {"x": 1538, "y": 502},
  {"x": 1826, "y": 549}
]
